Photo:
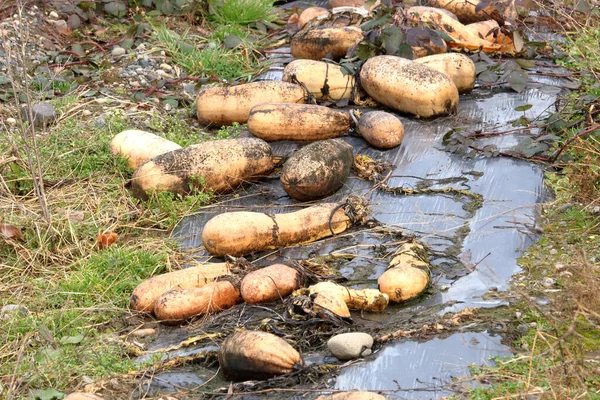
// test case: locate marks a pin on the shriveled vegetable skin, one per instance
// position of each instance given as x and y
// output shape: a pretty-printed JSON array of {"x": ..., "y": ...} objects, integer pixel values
[
  {"x": 309, "y": 14},
  {"x": 458, "y": 67},
  {"x": 323, "y": 80},
  {"x": 330, "y": 303},
  {"x": 225, "y": 105},
  {"x": 257, "y": 355},
  {"x": 270, "y": 283},
  {"x": 319, "y": 42},
  {"x": 317, "y": 170},
  {"x": 140, "y": 146},
  {"x": 180, "y": 304},
  {"x": 241, "y": 232},
  {"x": 222, "y": 164},
  {"x": 408, "y": 86},
  {"x": 465, "y": 10},
  {"x": 381, "y": 129},
  {"x": 145, "y": 294},
  {"x": 299, "y": 122},
  {"x": 365, "y": 299}
]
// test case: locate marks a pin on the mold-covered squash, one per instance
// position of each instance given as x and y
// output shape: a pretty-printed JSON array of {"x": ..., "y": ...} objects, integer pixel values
[
  {"x": 140, "y": 146},
  {"x": 408, "y": 86},
  {"x": 299, "y": 122},
  {"x": 381, "y": 129},
  {"x": 145, "y": 294},
  {"x": 323, "y": 80},
  {"x": 317, "y": 170},
  {"x": 270, "y": 283},
  {"x": 241, "y": 232},
  {"x": 257, "y": 355},
  {"x": 225, "y": 105},
  {"x": 456, "y": 66},
  {"x": 365, "y": 299},
  {"x": 179, "y": 304},
  {"x": 219, "y": 165},
  {"x": 309, "y": 14},
  {"x": 320, "y": 42}
]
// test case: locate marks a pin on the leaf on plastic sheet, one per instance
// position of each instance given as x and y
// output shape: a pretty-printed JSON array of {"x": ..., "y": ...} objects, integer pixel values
[
  {"x": 523, "y": 108},
  {"x": 547, "y": 138},
  {"x": 261, "y": 27},
  {"x": 535, "y": 149},
  {"x": 490, "y": 150},
  {"x": 71, "y": 339},
  {"x": 393, "y": 39},
  {"x": 167, "y": 7},
  {"x": 480, "y": 67},
  {"x": 172, "y": 101},
  {"x": 138, "y": 96},
  {"x": 517, "y": 80},
  {"x": 46, "y": 394},
  {"x": 232, "y": 41},
  {"x": 448, "y": 135},
  {"x": 525, "y": 64},
  {"x": 482, "y": 5},
  {"x": 488, "y": 76}
]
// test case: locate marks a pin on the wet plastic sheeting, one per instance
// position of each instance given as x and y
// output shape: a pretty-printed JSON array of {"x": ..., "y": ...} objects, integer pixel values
[{"x": 413, "y": 370}]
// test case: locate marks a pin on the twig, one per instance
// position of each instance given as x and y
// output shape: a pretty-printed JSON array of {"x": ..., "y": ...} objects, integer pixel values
[{"x": 568, "y": 142}]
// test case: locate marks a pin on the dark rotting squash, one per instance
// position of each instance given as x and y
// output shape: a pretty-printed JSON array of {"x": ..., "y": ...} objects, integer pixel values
[
  {"x": 317, "y": 170},
  {"x": 257, "y": 355}
]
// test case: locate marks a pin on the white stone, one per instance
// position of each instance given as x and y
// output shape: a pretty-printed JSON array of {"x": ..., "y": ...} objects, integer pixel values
[
  {"x": 348, "y": 346},
  {"x": 53, "y": 15},
  {"x": 11, "y": 121},
  {"x": 118, "y": 51}
]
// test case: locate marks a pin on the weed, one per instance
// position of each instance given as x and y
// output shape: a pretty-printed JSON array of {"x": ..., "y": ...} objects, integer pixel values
[
  {"x": 232, "y": 131},
  {"x": 241, "y": 12},
  {"x": 212, "y": 60}
]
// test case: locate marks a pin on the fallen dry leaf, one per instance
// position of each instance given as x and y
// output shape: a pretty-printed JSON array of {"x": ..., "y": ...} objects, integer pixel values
[
  {"x": 10, "y": 232},
  {"x": 106, "y": 239}
]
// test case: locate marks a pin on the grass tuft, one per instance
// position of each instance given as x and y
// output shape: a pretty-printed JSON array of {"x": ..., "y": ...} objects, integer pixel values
[{"x": 242, "y": 12}]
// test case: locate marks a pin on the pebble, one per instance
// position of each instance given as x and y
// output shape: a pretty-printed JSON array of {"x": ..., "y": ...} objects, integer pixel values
[
  {"x": 548, "y": 282},
  {"x": 553, "y": 251},
  {"x": 43, "y": 114},
  {"x": 348, "y": 346},
  {"x": 166, "y": 67},
  {"x": 11, "y": 121},
  {"x": 86, "y": 113},
  {"x": 118, "y": 51},
  {"x": 74, "y": 21},
  {"x": 53, "y": 15}
]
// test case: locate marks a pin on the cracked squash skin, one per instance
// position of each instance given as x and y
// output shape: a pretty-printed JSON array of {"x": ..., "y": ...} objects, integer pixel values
[
  {"x": 222, "y": 164},
  {"x": 243, "y": 232},
  {"x": 408, "y": 86}
]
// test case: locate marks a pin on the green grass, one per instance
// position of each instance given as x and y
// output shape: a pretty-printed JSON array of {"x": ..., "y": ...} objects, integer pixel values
[
  {"x": 241, "y": 12},
  {"x": 209, "y": 59}
]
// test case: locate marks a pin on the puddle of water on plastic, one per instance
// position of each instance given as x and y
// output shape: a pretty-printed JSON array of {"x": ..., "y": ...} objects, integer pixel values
[{"x": 497, "y": 232}]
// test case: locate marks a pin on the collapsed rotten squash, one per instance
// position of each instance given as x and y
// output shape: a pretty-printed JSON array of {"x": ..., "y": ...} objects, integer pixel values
[{"x": 324, "y": 80}]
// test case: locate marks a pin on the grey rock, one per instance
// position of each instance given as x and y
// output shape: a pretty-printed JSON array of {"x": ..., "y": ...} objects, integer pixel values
[
  {"x": 74, "y": 21},
  {"x": 553, "y": 251},
  {"x": 99, "y": 122},
  {"x": 348, "y": 346},
  {"x": 118, "y": 51},
  {"x": 190, "y": 88},
  {"x": 43, "y": 114}
]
